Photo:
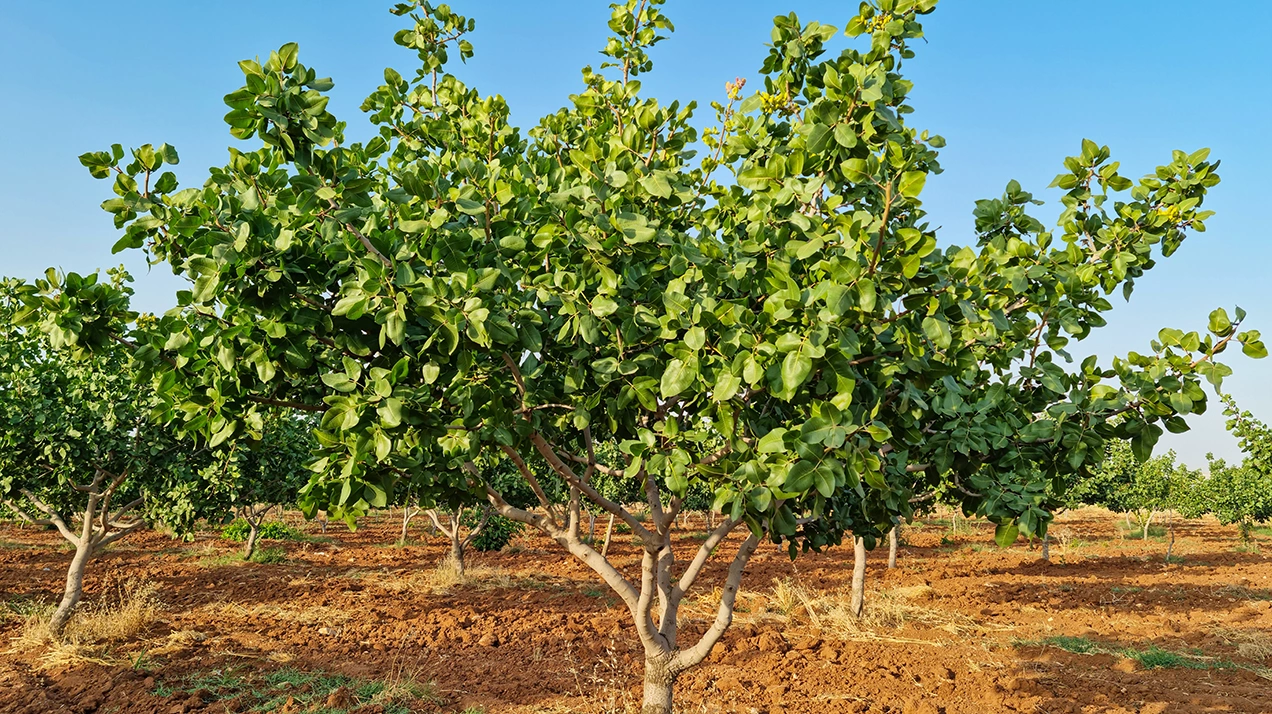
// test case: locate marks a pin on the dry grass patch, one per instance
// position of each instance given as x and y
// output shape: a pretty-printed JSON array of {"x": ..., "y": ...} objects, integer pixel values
[
  {"x": 1251, "y": 644},
  {"x": 440, "y": 580},
  {"x": 885, "y": 611},
  {"x": 296, "y": 615},
  {"x": 95, "y": 631}
]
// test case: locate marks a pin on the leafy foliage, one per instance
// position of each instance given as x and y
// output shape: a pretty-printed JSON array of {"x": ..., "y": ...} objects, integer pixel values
[
  {"x": 238, "y": 529},
  {"x": 497, "y": 533},
  {"x": 1126, "y": 485},
  {"x": 451, "y": 291},
  {"x": 1241, "y": 494},
  {"x": 69, "y": 418}
]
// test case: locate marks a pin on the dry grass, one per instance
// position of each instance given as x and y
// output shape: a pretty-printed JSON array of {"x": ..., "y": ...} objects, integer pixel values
[
  {"x": 606, "y": 687},
  {"x": 94, "y": 632},
  {"x": 885, "y": 612},
  {"x": 445, "y": 576},
  {"x": 297, "y": 615},
  {"x": 1251, "y": 644}
]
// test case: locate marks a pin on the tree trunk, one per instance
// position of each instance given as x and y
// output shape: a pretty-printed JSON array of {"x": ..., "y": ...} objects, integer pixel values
[
  {"x": 1170, "y": 526},
  {"x": 1046, "y": 548},
  {"x": 591, "y": 527},
  {"x": 457, "y": 552},
  {"x": 73, "y": 593},
  {"x": 1147, "y": 521},
  {"x": 608, "y": 530},
  {"x": 892, "y": 547},
  {"x": 858, "y": 577},
  {"x": 252, "y": 535},
  {"x": 659, "y": 685}
]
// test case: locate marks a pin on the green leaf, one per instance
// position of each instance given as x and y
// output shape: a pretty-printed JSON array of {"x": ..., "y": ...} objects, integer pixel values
[
  {"x": 761, "y": 498},
  {"x": 390, "y": 412},
  {"x": 726, "y": 386},
  {"x": 795, "y": 369},
  {"x": 1006, "y": 533},
  {"x": 677, "y": 377},
  {"x": 824, "y": 479},
  {"x": 937, "y": 330},
  {"x": 800, "y": 478},
  {"x": 772, "y": 443},
  {"x": 603, "y": 306},
  {"x": 470, "y": 207},
  {"x": 912, "y": 183},
  {"x": 656, "y": 184},
  {"x": 845, "y": 136},
  {"x": 695, "y": 338},
  {"x": 1219, "y": 323}
]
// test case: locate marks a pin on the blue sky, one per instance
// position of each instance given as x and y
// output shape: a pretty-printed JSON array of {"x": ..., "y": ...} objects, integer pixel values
[{"x": 1013, "y": 86}]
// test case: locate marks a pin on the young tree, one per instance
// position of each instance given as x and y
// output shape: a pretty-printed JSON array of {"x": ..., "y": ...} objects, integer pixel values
[
  {"x": 792, "y": 339},
  {"x": 271, "y": 472},
  {"x": 76, "y": 441},
  {"x": 1241, "y": 494}
]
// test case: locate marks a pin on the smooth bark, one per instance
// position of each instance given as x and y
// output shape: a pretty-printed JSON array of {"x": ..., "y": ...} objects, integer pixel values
[
  {"x": 858, "y": 601},
  {"x": 100, "y": 526},
  {"x": 73, "y": 592},
  {"x": 892, "y": 547}
]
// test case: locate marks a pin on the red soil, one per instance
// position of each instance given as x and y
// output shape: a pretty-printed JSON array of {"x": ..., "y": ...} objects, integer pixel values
[{"x": 536, "y": 631}]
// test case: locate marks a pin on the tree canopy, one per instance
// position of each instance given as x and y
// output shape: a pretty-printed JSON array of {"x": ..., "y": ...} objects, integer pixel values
[{"x": 759, "y": 307}]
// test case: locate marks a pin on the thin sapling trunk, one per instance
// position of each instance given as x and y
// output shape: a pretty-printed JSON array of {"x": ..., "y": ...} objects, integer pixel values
[
  {"x": 254, "y": 518},
  {"x": 892, "y": 547},
  {"x": 858, "y": 601},
  {"x": 453, "y": 529}
]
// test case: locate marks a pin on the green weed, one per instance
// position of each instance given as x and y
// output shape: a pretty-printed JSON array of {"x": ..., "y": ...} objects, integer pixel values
[
  {"x": 309, "y": 690},
  {"x": 1151, "y": 657}
]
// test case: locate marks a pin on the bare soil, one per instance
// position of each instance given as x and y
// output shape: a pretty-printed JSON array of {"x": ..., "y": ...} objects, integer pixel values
[{"x": 1107, "y": 626}]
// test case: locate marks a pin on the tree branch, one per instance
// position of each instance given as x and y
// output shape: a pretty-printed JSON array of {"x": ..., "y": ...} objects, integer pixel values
[
  {"x": 724, "y": 614},
  {"x": 55, "y": 518}
]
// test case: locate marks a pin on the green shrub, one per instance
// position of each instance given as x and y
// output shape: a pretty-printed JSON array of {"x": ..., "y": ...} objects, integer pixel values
[
  {"x": 270, "y": 530},
  {"x": 498, "y": 533}
]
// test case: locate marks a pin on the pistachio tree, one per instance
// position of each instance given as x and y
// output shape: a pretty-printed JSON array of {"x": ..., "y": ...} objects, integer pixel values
[
  {"x": 759, "y": 308},
  {"x": 1240, "y": 494},
  {"x": 270, "y": 472},
  {"x": 76, "y": 441}
]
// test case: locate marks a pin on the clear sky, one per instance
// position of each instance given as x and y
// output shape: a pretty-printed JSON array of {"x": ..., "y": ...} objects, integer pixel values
[{"x": 1013, "y": 85}]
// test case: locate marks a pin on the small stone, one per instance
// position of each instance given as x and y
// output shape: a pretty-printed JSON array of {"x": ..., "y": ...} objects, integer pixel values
[{"x": 489, "y": 640}]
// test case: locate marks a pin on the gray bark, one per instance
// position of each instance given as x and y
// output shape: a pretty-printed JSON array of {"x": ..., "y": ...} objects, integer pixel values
[
  {"x": 252, "y": 535},
  {"x": 1046, "y": 547},
  {"x": 857, "y": 604},
  {"x": 73, "y": 592},
  {"x": 660, "y": 684},
  {"x": 609, "y": 529},
  {"x": 892, "y": 547}
]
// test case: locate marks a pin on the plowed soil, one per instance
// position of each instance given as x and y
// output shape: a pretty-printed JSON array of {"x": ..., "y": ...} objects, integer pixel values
[{"x": 959, "y": 626}]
